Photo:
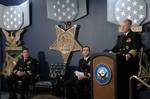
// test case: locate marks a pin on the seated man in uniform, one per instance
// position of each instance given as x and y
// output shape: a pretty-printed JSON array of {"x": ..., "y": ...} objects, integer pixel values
[
  {"x": 82, "y": 77},
  {"x": 128, "y": 45},
  {"x": 84, "y": 64},
  {"x": 23, "y": 72}
]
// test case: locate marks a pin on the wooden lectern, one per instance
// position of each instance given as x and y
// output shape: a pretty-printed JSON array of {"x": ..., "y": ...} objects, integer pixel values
[{"x": 104, "y": 87}]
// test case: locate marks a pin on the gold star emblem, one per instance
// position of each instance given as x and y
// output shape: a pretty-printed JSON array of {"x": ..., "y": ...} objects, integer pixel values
[{"x": 65, "y": 42}]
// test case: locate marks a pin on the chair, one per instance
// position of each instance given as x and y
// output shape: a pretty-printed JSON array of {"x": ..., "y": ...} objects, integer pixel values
[
  {"x": 56, "y": 74},
  {"x": 42, "y": 85},
  {"x": 144, "y": 72}
]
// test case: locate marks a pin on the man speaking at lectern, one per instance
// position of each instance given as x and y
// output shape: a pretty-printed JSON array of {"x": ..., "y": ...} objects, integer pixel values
[{"x": 128, "y": 45}]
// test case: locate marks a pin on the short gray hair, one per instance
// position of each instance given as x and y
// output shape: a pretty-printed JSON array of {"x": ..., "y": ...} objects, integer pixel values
[{"x": 129, "y": 21}]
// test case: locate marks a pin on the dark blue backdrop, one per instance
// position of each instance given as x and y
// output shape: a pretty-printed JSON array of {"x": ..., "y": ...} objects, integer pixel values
[
  {"x": 94, "y": 31},
  {"x": 11, "y": 2}
]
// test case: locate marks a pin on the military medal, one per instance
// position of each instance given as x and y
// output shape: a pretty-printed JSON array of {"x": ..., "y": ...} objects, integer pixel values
[
  {"x": 127, "y": 47},
  {"x": 29, "y": 62},
  {"x": 129, "y": 40}
]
